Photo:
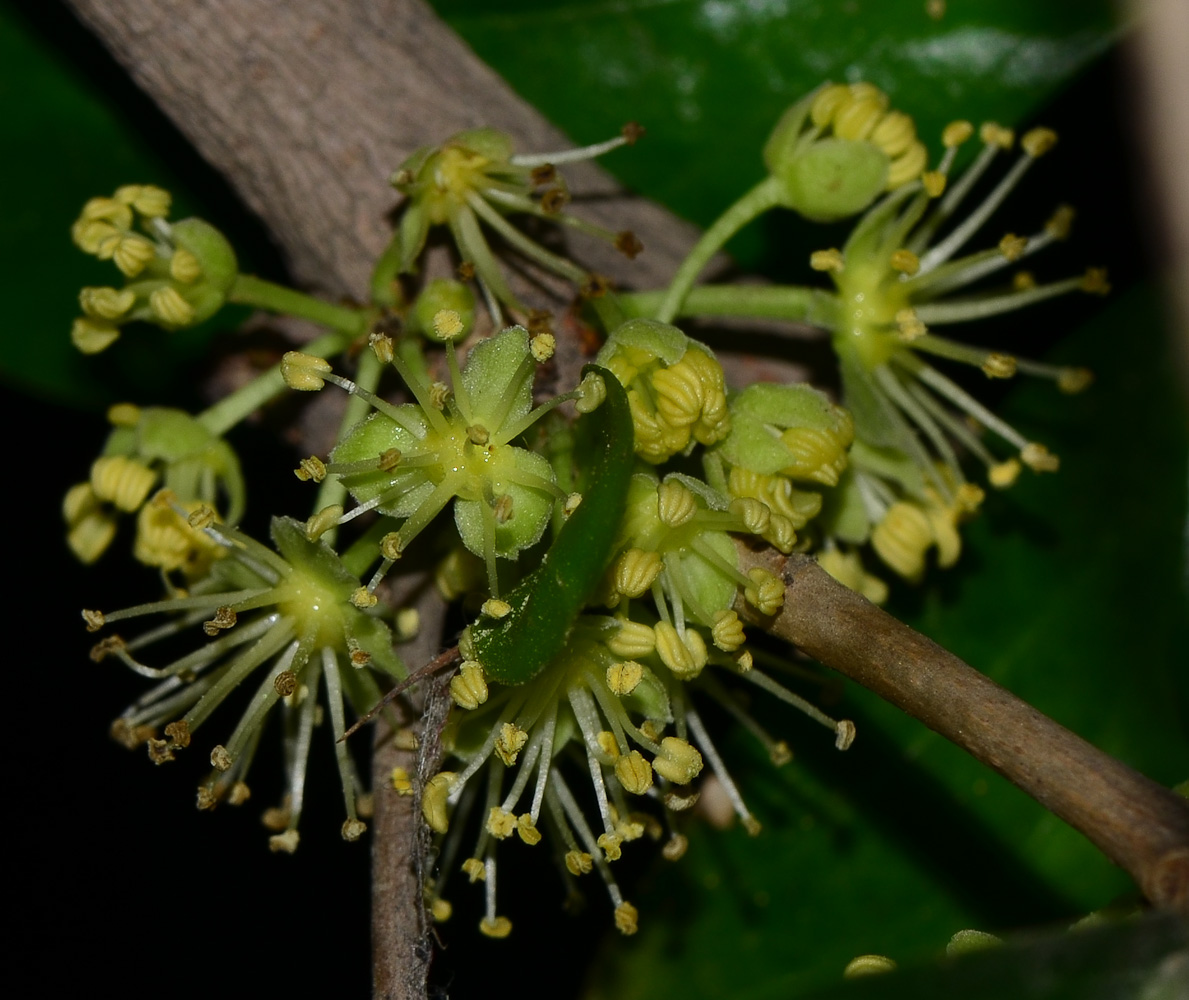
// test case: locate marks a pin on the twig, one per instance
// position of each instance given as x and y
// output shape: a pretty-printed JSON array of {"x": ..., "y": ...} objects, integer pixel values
[{"x": 1140, "y": 825}]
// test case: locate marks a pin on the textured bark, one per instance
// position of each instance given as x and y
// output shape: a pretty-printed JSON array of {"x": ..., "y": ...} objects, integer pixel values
[{"x": 1138, "y": 824}]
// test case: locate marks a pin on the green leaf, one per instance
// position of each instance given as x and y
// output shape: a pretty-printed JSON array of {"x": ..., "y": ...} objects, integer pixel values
[
  {"x": 711, "y": 79},
  {"x": 517, "y": 647}
]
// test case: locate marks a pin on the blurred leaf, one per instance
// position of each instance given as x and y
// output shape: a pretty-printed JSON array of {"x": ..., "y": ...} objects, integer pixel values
[{"x": 709, "y": 78}]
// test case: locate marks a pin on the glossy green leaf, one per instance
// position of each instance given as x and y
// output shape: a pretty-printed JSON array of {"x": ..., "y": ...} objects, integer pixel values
[
  {"x": 517, "y": 647},
  {"x": 710, "y": 78}
]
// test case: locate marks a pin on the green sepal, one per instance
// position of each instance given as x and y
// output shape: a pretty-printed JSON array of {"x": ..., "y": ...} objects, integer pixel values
[
  {"x": 761, "y": 411},
  {"x": 661, "y": 339},
  {"x": 834, "y": 178},
  {"x": 517, "y": 647},
  {"x": 531, "y": 509},
  {"x": 219, "y": 266},
  {"x": 494, "y": 372}
]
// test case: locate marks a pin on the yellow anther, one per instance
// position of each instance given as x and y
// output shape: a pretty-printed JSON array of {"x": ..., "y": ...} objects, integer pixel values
[
  {"x": 542, "y": 347},
  {"x": 106, "y": 303},
  {"x": 605, "y": 741},
  {"x": 1004, "y": 474},
  {"x": 202, "y": 516},
  {"x": 478, "y": 434},
  {"x": 1038, "y": 458},
  {"x": 610, "y": 843},
  {"x": 895, "y": 134},
  {"x": 966, "y": 941},
  {"x": 284, "y": 843},
  {"x": 363, "y": 598},
  {"x": 909, "y": 325},
  {"x": 303, "y": 371},
  {"x": 626, "y": 918},
  {"x": 684, "y": 658},
  {"x": 526, "y": 830},
  {"x": 908, "y": 166},
  {"x": 498, "y": 927},
  {"x": 571, "y": 504},
  {"x": 285, "y": 684},
  {"x": 997, "y": 365},
  {"x": 358, "y": 656},
  {"x": 635, "y": 571},
  {"x": 439, "y": 393},
  {"x": 579, "y": 863},
  {"x": 622, "y": 678},
  {"x": 905, "y": 261},
  {"x": 406, "y": 739},
  {"x": 221, "y": 759},
  {"x": 239, "y": 794},
  {"x": 591, "y": 393},
  {"x": 634, "y": 773},
  {"x": 469, "y": 688},
  {"x": 184, "y": 267},
  {"x": 754, "y": 514},
  {"x": 956, "y": 133},
  {"x": 434, "y": 806},
  {"x": 779, "y": 753},
  {"x": 224, "y": 618},
  {"x": 466, "y": 645},
  {"x": 844, "y": 734},
  {"x": 968, "y": 498},
  {"x": 728, "y": 632},
  {"x": 381, "y": 345},
  {"x": 392, "y": 545},
  {"x": 148, "y": 199},
  {"x": 441, "y": 911},
  {"x": 1061, "y": 222},
  {"x": 178, "y": 733},
  {"x": 632, "y": 640},
  {"x": 675, "y": 847},
  {"x": 501, "y": 824},
  {"x": 388, "y": 459},
  {"x": 131, "y": 254},
  {"x": 168, "y": 307},
  {"x": 122, "y": 481},
  {"x": 1022, "y": 281},
  {"x": 276, "y": 819},
  {"x": 320, "y": 523},
  {"x": 1074, "y": 380},
  {"x": 857, "y": 119},
  {"x": 867, "y": 965},
  {"x": 902, "y": 538},
  {"x": 123, "y": 415},
  {"x": 113, "y": 645},
  {"x": 475, "y": 870},
  {"x": 509, "y": 743},
  {"x": 933, "y": 181},
  {"x": 827, "y": 103},
  {"x": 1038, "y": 141},
  {"x": 91, "y": 336},
  {"x": 310, "y": 468},
  {"x": 493, "y": 607},
  {"x": 827, "y": 260},
  {"x": 400, "y": 781},
  {"x": 675, "y": 503},
  {"x": 1094, "y": 281},
  {"x": 766, "y": 594},
  {"x": 448, "y": 324},
  {"x": 678, "y": 761},
  {"x": 994, "y": 134},
  {"x": 1012, "y": 246},
  {"x": 94, "y": 619}
]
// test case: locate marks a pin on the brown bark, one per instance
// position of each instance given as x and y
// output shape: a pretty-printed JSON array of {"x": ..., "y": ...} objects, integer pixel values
[{"x": 1138, "y": 824}]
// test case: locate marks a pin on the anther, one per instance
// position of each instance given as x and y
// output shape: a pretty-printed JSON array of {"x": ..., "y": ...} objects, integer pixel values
[
  {"x": 610, "y": 843},
  {"x": 634, "y": 773},
  {"x": 554, "y": 199},
  {"x": 1023, "y": 281},
  {"x": 447, "y": 324},
  {"x": 591, "y": 393},
  {"x": 303, "y": 371},
  {"x": 606, "y": 743},
  {"x": 382, "y": 347},
  {"x": 766, "y": 594},
  {"x": 105, "y": 647},
  {"x": 1074, "y": 380},
  {"x": 622, "y": 678},
  {"x": 469, "y": 688},
  {"x": 477, "y": 434},
  {"x": 224, "y": 618},
  {"x": 867, "y": 965},
  {"x": 1012, "y": 246},
  {"x": 1094, "y": 281},
  {"x": 399, "y": 780},
  {"x": 542, "y": 175},
  {"x": 495, "y": 608},
  {"x": 178, "y": 733},
  {"x": 475, "y": 870},
  {"x": 827, "y": 260},
  {"x": 675, "y": 503},
  {"x": 388, "y": 459},
  {"x": 579, "y": 863},
  {"x": 1038, "y": 458},
  {"x": 909, "y": 325},
  {"x": 635, "y": 572},
  {"x": 501, "y": 824},
  {"x": 956, "y": 133},
  {"x": 998, "y": 365},
  {"x": 312, "y": 468},
  {"x": 571, "y": 504},
  {"x": 933, "y": 181},
  {"x": 628, "y": 244},
  {"x": 434, "y": 806},
  {"x": 509, "y": 743},
  {"x": 526, "y": 830},
  {"x": 1038, "y": 141},
  {"x": 502, "y": 508},
  {"x": 1060, "y": 222},
  {"x": 439, "y": 392},
  {"x": 202, "y": 516},
  {"x": 285, "y": 683},
  {"x": 284, "y": 843},
  {"x": 542, "y": 347},
  {"x": 363, "y": 598},
  {"x": 94, "y": 619},
  {"x": 221, "y": 759},
  {"x": 352, "y": 830},
  {"x": 727, "y": 631},
  {"x": 626, "y": 918},
  {"x": 391, "y": 545},
  {"x": 844, "y": 734},
  {"x": 905, "y": 261},
  {"x": 495, "y": 927},
  {"x": 678, "y": 761},
  {"x": 1004, "y": 474},
  {"x": 994, "y": 134}
]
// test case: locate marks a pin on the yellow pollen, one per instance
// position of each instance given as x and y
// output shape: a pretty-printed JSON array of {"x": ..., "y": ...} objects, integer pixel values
[
  {"x": 509, "y": 743},
  {"x": 439, "y": 392},
  {"x": 727, "y": 632},
  {"x": 447, "y": 324},
  {"x": 579, "y": 862},
  {"x": 284, "y": 843},
  {"x": 626, "y": 918},
  {"x": 495, "y": 608},
  {"x": 542, "y": 347},
  {"x": 501, "y": 824},
  {"x": 910, "y": 326},
  {"x": 610, "y": 843},
  {"x": 441, "y": 911},
  {"x": 303, "y": 371},
  {"x": 622, "y": 678},
  {"x": 95, "y": 621},
  {"x": 1094, "y": 282},
  {"x": 391, "y": 545},
  {"x": 1060, "y": 222},
  {"x": 999, "y": 365},
  {"x": 1038, "y": 141},
  {"x": 994, "y": 134},
  {"x": 469, "y": 688},
  {"x": 969, "y": 497},
  {"x": 905, "y": 261},
  {"x": 675, "y": 503},
  {"x": 527, "y": 831},
  {"x": 933, "y": 181},
  {"x": 634, "y": 773},
  {"x": 400, "y": 781},
  {"x": 498, "y": 928},
  {"x": 363, "y": 598},
  {"x": 844, "y": 734},
  {"x": 606, "y": 743},
  {"x": 678, "y": 761},
  {"x": 381, "y": 345},
  {"x": 1038, "y": 458},
  {"x": 956, "y": 133},
  {"x": 1012, "y": 246},
  {"x": 475, "y": 870},
  {"x": 1074, "y": 380},
  {"x": 1004, "y": 474},
  {"x": 827, "y": 260},
  {"x": 766, "y": 594},
  {"x": 312, "y": 468},
  {"x": 200, "y": 517}
]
